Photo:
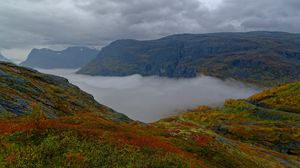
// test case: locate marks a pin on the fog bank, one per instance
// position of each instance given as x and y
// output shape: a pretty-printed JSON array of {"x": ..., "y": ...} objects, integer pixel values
[{"x": 151, "y": 98}]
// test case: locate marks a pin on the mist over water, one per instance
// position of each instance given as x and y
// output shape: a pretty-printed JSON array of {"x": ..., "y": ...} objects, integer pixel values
[{"x": 148, "y": 99}]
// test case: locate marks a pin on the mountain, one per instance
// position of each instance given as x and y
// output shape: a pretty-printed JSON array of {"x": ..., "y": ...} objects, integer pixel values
[
  {"x": 47, "y": 122},
  {"x": 72, "y": 57},
  {"x": 263, "y": 58},
  {"x": 24, "y": 91},
  {"x": 2, "y": 58}
]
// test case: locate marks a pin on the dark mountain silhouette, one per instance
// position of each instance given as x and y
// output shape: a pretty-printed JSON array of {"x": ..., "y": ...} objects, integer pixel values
[
  {"x": 72, "y": 57},
  {"x": 264, "y": 58}
]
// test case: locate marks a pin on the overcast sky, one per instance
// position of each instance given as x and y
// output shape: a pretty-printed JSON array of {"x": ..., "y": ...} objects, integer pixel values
[{"x": 25, "y": 24}]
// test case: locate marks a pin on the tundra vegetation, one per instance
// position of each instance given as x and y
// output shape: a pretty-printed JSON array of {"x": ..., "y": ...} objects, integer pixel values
[{"x": 67, "y": 128}]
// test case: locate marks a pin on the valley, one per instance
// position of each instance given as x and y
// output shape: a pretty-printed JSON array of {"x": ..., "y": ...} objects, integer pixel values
[
  {"x": 149, "y": 99},
  {"x": 149, "y": 84},
  {"x": 260, "y": 131}
]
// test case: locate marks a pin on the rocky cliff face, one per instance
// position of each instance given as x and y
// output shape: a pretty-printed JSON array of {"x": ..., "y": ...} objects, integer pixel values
[{"x": 264, "y": 58}]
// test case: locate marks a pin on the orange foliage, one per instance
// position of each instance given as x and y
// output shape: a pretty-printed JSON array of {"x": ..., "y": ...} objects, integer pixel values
[
  {"x": 201, "y": 139},
  {"x": 188, "y": 124},
  {"x": 145, "y": 141},
  {"x": 74, "y": 155},
  {"x": 7, "y": 127},
  {"x": 11, "y": 158},
  {"x": 202, "y": 108}
]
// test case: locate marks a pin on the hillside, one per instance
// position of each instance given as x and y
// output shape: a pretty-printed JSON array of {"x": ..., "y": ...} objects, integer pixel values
[
  {"x": 72, "y": 57},
  {"x": 285, "y": 98},
  {"x": 25, "y": 90},
  {"x": 65, "y": 127},
  {"x": 241, "y": 120},
  {"x": 263, "y": 58}
]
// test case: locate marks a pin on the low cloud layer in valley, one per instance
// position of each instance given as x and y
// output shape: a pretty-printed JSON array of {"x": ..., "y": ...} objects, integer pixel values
[{"x": 150, "y": 98}]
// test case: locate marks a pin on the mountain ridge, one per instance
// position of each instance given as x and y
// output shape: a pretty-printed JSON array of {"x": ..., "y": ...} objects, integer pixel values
[
  {"x": 262, "y": 58},
  {"x": 71, "y": 57}
]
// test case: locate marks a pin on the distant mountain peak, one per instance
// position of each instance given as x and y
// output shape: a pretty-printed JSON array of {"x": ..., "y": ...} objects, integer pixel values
[{"x": 71, "y": 57}]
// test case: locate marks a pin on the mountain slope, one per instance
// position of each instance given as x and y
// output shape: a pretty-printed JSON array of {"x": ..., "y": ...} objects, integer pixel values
[
  {"x": 285, "y": 98},
  {"x": 2, "y": 58},
  {"x": 264, "y": 58},
  {"x": 240, "y": 134},
  {"x": 72, "y": 57},
  {"x": 24, "y": 90},
  {"x": 242, "y": 120}
]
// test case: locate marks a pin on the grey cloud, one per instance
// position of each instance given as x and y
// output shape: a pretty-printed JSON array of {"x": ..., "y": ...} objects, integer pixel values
[
  {"x": 29, "y": 23},
  {"x": 151, "y": 98},
  {"x": 276, "y": 15}
]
